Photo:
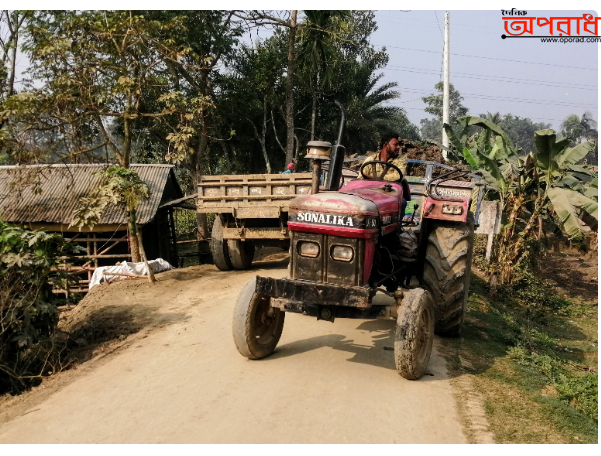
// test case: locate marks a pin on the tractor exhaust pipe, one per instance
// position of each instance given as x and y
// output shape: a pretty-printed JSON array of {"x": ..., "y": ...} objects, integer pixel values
[{"x": 335, "y": 168}]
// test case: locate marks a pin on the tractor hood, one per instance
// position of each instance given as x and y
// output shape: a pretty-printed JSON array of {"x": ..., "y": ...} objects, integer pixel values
[
  {"x": 334, "y": 203},
  {"x": 358, "y": 209},
  {"x": 332, "y": 210}
]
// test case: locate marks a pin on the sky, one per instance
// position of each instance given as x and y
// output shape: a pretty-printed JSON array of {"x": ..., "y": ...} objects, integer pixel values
[{"x": 525, "y": 77}]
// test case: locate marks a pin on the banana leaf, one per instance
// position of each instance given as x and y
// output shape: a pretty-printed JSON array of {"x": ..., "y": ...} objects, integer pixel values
[
  {"x": 574, "y": 154},
  {"x": 491, "y": 181},
  {"x": 494, "y": 151},
  {"x": 492, "y": 167},
  {"x": 565, "y": 203},
  {"x": 504, "y": 149},
  {"x": 547, "y": 149},
  {"x": 582, "y": 170},
  {"x": 483, "y": 123},
  {"x": 455, "y": 142},
  {"x": 568, "y": 181},
  {"x": 471, "y": 156},
  {"x": 591, "y": 192}
]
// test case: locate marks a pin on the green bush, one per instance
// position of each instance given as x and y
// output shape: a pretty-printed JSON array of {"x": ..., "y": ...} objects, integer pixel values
[
  {"x": 28, "y": 316},
  {"x": 580, "y": 390},
  {"x": 582, "y": 393}
]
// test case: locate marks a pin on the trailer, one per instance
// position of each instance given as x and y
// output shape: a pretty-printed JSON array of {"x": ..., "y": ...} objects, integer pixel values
[{"x": 251, "y": 211}]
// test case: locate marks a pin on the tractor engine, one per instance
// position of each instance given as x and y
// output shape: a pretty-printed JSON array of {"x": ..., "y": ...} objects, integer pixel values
[{"x": 337, "y": 236}]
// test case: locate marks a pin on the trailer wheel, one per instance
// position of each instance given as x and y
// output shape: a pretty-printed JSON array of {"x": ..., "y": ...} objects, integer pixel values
[
  {"x": 241, "y": 253},
  {"x": 219, "y": 249},
  {"x": 447, "y": 273},
  {"x": 414, "y": 334},
  {"x": 257, "y": 327}
]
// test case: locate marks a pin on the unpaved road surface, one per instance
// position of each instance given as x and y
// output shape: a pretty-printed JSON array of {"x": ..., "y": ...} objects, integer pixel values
[{"x": 183, "y": 381}]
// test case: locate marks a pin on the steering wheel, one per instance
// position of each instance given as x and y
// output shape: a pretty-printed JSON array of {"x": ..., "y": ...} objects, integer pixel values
[{"x": 383, "y": 163}]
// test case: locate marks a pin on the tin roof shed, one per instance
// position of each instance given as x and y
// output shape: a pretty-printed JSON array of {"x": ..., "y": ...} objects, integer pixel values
[{"x": 53, "y": 191}]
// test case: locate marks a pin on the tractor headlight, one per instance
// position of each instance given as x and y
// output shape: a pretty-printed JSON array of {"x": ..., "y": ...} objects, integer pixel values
[
  {"x": 342, "y": 253},
  {"x": 308, "y": 249},
  {"x": 452, "y": 209}
]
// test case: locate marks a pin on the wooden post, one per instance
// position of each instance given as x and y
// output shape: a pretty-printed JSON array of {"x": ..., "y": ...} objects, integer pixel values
[
  {"x": 173, "y": 235},
  {"x": 490, "y": 223}
]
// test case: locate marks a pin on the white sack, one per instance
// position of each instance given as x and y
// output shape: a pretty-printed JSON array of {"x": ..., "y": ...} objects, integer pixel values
[{"x": 127, "y": 267}]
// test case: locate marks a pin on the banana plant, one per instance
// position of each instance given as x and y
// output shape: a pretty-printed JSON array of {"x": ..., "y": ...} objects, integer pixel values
[
  {"x": 491, "y": 152},
  {"x": 546, "y": 181},
  {"x": 571, "y": 190}
]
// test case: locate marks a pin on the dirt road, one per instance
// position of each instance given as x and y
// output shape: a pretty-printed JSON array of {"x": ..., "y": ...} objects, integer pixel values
[{"x": 184, "y": 381}]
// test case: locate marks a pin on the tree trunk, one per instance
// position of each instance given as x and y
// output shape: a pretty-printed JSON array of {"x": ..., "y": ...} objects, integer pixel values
[
  {"x": 13, "y": 63},
  {"x": 203, "y": 143},
  {"x": 264, "y": 134},
  {"x": 133, "y": 236},
  {"x": 226, "y": 156},
  {"x": 151, "y": 277},
  {"x": 261, "y": 137},
  {"x": 290, "y": 88},
  {"x": 313, "y": 114}
]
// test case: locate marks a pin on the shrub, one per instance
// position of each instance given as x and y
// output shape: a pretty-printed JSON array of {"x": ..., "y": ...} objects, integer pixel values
[{"x": 28, "y": 315}]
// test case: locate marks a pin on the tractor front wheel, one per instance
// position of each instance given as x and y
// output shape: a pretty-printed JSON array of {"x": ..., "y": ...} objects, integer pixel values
[
  {"x": 257, "y": 326},
  {"x": 414, "y": 334},
  {"x": 447, "y": 273}
]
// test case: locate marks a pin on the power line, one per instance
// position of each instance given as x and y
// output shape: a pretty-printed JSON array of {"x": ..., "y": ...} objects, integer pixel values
[
  {"x": 517, "y": 100},
  {"x": 491, "y": 58},
  {"x": 540, "y": 118},
  {"x": 492, "y": 78}
]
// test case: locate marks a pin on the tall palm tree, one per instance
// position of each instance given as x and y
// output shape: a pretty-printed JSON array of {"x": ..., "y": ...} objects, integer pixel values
[
  {"x": 367, "y": 115},
  {"x": 317, "y": 51}
]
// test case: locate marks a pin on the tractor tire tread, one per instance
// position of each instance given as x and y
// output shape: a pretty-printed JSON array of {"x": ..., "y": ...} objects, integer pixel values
[
  {"x": 407, "y": 361},
  {"x": 219, "y": 248},
  {"x": 242, "y": 322},
  {"x": 447, "y": 273},
  {"x": 241, "y": 253}
]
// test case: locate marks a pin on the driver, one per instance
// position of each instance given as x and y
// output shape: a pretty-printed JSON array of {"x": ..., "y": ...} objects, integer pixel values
[{"x": 389, "y": 151}]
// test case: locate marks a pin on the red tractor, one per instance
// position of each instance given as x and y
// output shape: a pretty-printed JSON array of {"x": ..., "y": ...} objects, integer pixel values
[{"x": 350, "y": 243}]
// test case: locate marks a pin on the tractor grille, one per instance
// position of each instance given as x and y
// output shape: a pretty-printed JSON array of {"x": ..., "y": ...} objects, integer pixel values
[{"x": 326, "y": 259}]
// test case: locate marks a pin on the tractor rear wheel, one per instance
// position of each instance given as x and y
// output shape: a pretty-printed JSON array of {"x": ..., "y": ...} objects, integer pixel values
[
  {"x": 257, "y": 327},
  {"x": 219, "y": 250},
  {"x": 414, "y": 334},
  {"x": 447, "y": 273},
  {"x": 241, "y": 253}
]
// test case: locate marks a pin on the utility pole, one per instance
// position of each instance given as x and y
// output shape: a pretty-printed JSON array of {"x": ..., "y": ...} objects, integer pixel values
[{"x": 445, "y": 89}]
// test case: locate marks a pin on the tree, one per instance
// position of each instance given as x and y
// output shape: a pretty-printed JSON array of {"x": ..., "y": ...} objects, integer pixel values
[
  {"x": 355, "y": 85},
  {"x": 11, "y": 23},
  {"x": 97, "y": 67},
  {"x": 289, "y": 21},
  {"x": 578, "y": 129},
  {"x": 209, "y": 38},
  {"x": 432, "y": 128},
  {"x": 521, "y": 130},
  {"x": 251, "y": 92},
  {"x": 317, "y": 52},
  {"x": 251, "y": 96},
  {"x": 97, "y": 70}
]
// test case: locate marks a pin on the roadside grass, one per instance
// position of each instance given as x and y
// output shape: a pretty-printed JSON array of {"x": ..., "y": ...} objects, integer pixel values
[{"x": 533, "y": 357}]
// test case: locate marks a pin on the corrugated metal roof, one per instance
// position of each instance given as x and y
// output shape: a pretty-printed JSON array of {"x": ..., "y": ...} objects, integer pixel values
[{"x": 56, "y": 189}]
